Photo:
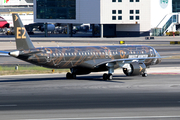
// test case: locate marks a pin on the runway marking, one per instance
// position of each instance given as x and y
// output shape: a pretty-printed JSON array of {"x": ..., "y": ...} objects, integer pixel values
[
  {"x": 103, "y": 118},
  {"x": 12, "y": 105}
]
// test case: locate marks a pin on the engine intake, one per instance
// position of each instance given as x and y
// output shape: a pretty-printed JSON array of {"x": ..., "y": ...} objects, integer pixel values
[{"x": 136, "y": 68}]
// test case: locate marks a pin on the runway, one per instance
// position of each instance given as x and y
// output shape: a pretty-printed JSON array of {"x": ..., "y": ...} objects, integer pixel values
[{"x": 89, "y": 97}]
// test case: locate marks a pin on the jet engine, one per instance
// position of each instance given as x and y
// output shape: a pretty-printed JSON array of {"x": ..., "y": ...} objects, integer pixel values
[{"x": 135, "y": 68}]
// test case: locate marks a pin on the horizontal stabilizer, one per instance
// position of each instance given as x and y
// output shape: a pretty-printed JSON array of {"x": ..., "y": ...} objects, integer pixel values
[
  {"x": 4, "y": 53},
  {"x": 17, "y": 53}
]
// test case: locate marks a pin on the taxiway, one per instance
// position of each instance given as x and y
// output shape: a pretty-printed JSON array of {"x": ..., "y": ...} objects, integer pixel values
[{"x": 53, "y": 97}]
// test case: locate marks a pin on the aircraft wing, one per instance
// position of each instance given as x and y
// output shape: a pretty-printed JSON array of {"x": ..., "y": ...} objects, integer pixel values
[{"x": 127, "y": 60}]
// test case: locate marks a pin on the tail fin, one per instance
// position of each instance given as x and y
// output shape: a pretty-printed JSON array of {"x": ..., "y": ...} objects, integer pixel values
[{"x": 23, "y": 40}]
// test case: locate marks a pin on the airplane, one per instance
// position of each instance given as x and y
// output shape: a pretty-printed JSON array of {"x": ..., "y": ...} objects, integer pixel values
[
  {"x": 133, "y": 59},
  {"x": 3, "y": 23}
]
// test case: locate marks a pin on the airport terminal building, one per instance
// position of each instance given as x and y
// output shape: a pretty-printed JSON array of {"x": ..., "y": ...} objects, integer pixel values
[{"x": 118, "y": 18}]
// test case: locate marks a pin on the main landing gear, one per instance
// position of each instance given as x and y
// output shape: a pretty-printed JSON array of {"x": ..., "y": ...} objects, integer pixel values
[
  {"x": 107, "y": 76},
  {"x": 70, "y": 76}
]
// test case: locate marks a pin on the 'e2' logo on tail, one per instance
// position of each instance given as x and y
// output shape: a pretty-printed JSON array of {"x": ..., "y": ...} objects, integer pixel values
[{"x": 21, "y": 31}]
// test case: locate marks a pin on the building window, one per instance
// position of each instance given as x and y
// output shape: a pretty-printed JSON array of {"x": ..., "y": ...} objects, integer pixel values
[
  {"x": 119, "y": 0},
  {"x": 137, "y": 17},
  {"x": 131, "y": 1},
  {"x": 53, "y": 9},
  {"x": 176, "y": 5},
  {"x": 113, "y": 17},
  {"x": 113, "y": 0},
  {"x": 131, "y": 17},
  {"x": 119, "y": 17},
  {"x": 113, "y": 11},
  {"x": 131, "y": 11},
  {"x": 137, "y": 0},
  {"x": 137, "y": 11},
  {"x": 119, "y": 11}
]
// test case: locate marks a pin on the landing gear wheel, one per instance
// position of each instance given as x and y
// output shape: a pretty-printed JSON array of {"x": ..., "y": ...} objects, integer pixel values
[
  {"x": 144, "y": 75},
  {"x": 105, "y": 76},
  {"x": 70, "y": 76},
  {"x": 110, "y": 76},
  {"x": 73, "y": 76}
]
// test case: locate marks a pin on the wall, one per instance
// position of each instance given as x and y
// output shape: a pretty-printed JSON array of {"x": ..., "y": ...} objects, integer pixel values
[
  {"x": 127, "y": 27},
  {"x": 159, "y": 11},
  {"x": 130, "y": 30},
  {"x": 87, "y": 11}
]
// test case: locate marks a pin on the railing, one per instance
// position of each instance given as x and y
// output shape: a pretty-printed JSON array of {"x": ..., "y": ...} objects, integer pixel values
[
  {"x": 173, "y": 19},
  {"x": 158, "y": 31}
]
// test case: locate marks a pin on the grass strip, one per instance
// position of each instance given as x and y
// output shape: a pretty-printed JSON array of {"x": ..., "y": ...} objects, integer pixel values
[{"x": 10, "y": 70}]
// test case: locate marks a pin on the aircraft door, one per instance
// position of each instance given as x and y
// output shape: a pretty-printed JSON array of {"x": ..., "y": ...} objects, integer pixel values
[
  {"x": 108, "y": 53},
  {"x": 49, "y": 56},
  {"x": 151, "y": 53}
]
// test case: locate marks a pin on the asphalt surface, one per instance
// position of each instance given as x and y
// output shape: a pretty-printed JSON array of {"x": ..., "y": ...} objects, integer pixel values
[{"x": 52, "y": 96}]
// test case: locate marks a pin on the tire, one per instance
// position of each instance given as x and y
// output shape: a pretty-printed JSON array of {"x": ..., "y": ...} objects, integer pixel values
[
  {"x": 68, "y": 75},
  {"x": 144, "y": 75},
  {"x": 105, "y": 76},
  {"x": 110, "y": 76},
  {"x": 73, "y": 76}
]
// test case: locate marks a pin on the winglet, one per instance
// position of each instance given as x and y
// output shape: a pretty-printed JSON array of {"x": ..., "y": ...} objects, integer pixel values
[{"x": 23, "y": 40}]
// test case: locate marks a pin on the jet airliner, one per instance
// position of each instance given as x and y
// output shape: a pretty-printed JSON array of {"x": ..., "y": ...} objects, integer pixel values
[{"x": 133, "y": 59}]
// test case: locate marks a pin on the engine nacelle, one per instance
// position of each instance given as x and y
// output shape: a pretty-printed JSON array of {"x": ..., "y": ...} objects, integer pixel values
[{"x": 136, "y": 68}]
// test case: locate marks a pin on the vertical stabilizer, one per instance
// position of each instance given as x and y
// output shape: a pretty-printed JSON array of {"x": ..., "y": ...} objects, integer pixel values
[{"x": 23, "y": 40}]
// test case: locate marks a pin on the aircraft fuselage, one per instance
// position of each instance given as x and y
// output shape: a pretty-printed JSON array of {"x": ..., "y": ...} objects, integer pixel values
[{"x": 87, "y": 56}]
